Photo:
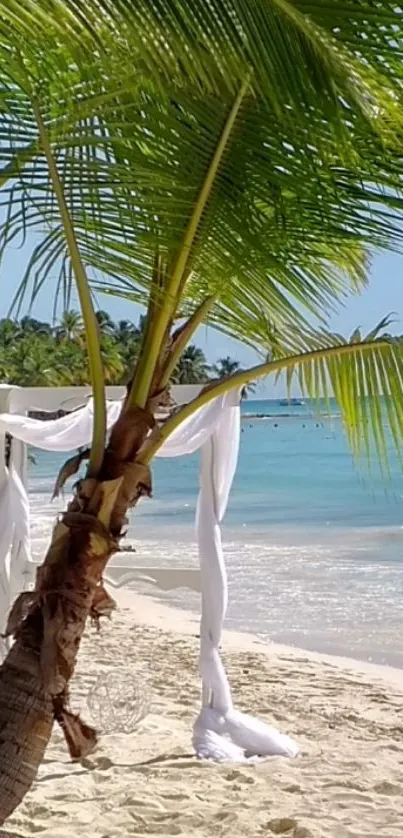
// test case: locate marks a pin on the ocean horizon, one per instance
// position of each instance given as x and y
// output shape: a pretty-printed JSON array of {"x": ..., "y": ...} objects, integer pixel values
[{"x": 313, "y": 544}]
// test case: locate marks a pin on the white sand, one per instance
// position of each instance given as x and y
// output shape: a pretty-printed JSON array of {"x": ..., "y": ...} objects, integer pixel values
[{"x": 347, "y": 717}]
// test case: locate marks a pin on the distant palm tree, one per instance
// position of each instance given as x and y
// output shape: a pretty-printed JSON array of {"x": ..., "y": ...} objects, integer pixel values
[
  {"x": 71, "y": 362},
  {"x": 225, "y": 366},
  {"x": 192, "y": 367},
  {"x": 70, "y": 326},
  {"x": 248, "y": 390},
  {"x": 105, "y": 321},
  {"x": 113, "y": 363},
  {"x": 34, "y": 363},
  {"x": 30, "y": 325},
  {"x": 228, "y": 366},
  {"x": 128, "y": 337},
  {"x": 126, "y": 332}
]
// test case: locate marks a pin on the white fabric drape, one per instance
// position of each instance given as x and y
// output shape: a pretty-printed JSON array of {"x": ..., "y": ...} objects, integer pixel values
[
  {"x": 220, "y": 732},
  {"x": 16, "y": 566},
  {"x": 65, "y": 434}
]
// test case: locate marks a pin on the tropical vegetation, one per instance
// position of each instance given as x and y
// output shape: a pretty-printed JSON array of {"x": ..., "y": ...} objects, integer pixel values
[
  {"x": 225, "y": 162},
  {"x": 34, "y": 353}
]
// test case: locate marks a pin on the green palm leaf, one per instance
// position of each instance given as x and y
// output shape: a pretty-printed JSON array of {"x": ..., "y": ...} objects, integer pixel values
[
  {"x": 262, "y": 215},
  {"x": 365, "y": 376},
  {"x": 309, "y": 177}
]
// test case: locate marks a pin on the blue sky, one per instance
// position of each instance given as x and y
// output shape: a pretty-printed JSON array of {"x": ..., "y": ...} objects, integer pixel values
[{"x": 383, "y": 296}]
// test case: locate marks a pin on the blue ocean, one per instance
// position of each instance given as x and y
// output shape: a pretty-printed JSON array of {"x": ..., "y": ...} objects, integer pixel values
[{"x": 314, "y": 543}]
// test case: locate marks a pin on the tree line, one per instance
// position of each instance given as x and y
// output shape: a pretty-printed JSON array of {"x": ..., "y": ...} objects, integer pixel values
[{"x": 34, "y": 353}]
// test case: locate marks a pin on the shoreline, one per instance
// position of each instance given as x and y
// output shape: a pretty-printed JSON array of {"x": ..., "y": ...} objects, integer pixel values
[
  {"x": 191, "y": 615},
  {"x": 187, "y": 623}
]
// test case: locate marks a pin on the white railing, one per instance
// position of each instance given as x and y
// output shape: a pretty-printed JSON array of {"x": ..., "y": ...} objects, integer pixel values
[{"x": 22, "y": 399}]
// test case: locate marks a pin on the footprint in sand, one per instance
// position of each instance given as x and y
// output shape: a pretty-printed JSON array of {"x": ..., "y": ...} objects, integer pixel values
[
  {"x": 98, "y": 763},
  {"x": 288, "y": 827},
  {"x": 247, "y": 779},
  {"x": 293, "y": 788},
  {"x": 386, "y": 787},
  {"x": 280, "y": 826},
  {"x": 36, "y": 810}
]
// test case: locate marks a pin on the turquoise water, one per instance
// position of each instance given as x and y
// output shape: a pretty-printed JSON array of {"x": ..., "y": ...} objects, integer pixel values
[
  {"x": 296, "y": 471},
  {"x": 314, "y": 547}
]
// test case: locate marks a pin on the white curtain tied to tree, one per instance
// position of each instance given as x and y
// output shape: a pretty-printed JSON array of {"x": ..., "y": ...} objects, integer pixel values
[{"x": 220, "y": 731}]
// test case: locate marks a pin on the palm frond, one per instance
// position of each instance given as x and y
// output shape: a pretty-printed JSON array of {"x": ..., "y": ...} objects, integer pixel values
[
  {"x": 217, "y": 44},
  {"x": 364, "y": 375},
  {"x": 310, "y": 179},
  {"x": 366, "y": 378},
  {"x": 294, "y": 238}
]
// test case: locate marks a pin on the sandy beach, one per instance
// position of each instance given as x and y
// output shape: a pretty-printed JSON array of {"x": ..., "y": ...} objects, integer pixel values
[{"x": 346, "y": 783}]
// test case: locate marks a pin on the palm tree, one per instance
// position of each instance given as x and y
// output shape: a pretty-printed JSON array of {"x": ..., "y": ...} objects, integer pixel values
[
  {"x": 113, "y": 363},
  {"x": 222, "y": 163},
  {"x": 225, "y": 367},
  {"x": 192, "y": 367},
  {"x": 70, "y": 363},
  {"x": 70, "y": 326},
  {"x": 32, "y": 363},
  {"x": 105, "y": 322},
  {"x": 128, "y": 337},
  {"x": 248, "y": 390},
  {"x": 228, "y": 366},
  {"x": 126, "y": 332},
  {"x": 31, "y": 326}
]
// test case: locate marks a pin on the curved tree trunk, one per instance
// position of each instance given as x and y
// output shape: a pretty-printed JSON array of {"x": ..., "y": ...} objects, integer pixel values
[
  {"x": 48, "y": 624},
  {"x": 26, "y": 722}
]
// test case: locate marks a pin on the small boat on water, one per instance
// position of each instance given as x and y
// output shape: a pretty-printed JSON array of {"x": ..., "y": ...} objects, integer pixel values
[{"x": 291, "y": 402}]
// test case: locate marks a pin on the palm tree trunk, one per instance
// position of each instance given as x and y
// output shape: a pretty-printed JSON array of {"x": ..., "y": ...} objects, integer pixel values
[
  {"x": 48, "y": 624},
  {"x": 26, "y": 722}
]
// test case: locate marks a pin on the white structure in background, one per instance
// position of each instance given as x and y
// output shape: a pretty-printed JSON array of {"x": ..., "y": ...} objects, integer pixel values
[{"x": 220, "y": 731}]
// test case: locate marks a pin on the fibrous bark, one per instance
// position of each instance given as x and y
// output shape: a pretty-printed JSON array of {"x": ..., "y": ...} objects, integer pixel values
[{"x": 48, "y": 624}]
